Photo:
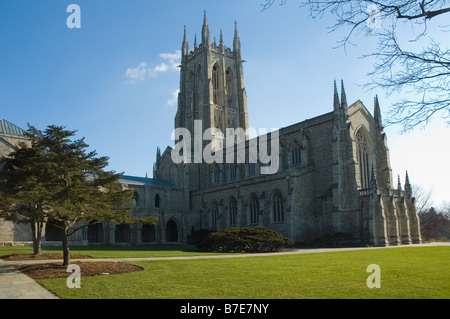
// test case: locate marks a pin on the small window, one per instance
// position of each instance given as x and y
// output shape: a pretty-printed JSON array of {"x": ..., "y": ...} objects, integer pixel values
[
  {"x": 214, "y": 213},
  {"x": 233, "y": 172},
  {"x": 278, "y": 207},
  {"x": 254, "y": 210},
  {"x": 295, "y": 154},
  {"x": 251, "y": 169},
  {"x": 232, "y": 212},
  {"x": 157, "y": 201},
  {"x": 135, "y": 199},
  {"x": 216, "y": 176}
]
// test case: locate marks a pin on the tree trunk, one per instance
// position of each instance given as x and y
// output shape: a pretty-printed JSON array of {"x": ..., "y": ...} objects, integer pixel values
[
  {"x": 65, "y": 242},
  {"x": 37, "y": 228}
]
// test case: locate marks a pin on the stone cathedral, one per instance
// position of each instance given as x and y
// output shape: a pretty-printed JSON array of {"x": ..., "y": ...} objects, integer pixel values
[{"x": 333, "y": 182}]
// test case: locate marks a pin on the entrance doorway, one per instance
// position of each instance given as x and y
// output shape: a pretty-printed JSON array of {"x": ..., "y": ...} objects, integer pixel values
[{"x": 172, "y": 231}]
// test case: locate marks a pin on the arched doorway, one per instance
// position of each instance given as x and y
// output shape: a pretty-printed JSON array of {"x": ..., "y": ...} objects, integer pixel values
[{"x": 172, "y": 231}]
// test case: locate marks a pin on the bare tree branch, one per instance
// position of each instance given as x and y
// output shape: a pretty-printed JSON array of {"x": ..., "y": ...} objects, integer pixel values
[{"x": 419, "y": 67}]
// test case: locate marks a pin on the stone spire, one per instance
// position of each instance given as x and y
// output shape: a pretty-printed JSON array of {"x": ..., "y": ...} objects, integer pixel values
[
  {"x": 336, "y": 103},
  {"x": 399, "y": 184},
  {"x": 195, "y": 42},
  {"x": 205, "y": 31},
  {"x": 344, "y": 104},
  {"x": 408, "y": 188},
  {"x": 236, "y": 40},
  {"x": 221, "y": 47},
  {"x": 185, "y": 47},
  {"x": 377, "y": 113}
]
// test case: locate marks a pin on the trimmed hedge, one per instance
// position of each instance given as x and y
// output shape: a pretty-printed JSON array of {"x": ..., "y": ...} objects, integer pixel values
[{"x": 256, "y": 240}]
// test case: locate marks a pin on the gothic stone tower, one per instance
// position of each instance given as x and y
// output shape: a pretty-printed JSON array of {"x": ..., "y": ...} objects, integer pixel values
[{"x": 212, "y": 86}]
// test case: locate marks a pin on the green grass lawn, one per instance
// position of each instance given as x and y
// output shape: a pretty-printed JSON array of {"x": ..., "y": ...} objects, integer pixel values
[
  {"x": 410, "y": 272},
  {"x": 113, "y": 251}
]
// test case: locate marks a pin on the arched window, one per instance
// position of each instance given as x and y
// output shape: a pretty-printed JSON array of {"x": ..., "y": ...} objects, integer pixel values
[
  {"x": 233, "y": 172},
  {"x": 216, "y": 175},
  {"x": 253, "y": 207},
  {"x": 172, "y": 231},
  {"x": 364, "y": 161},
  {"x": 295, "y": 153},
  {"x": 216, "y": 84},
  {"x": 251, "y": 169},
  {"x": 277, "y": 207},
  {"x": 214, "y": 213},
  {"x": 157, "y": 201},
  {"x": 191, "y": 91},
  {"x": 231, "y": 88},
  {"x": 135, "y": 199},
  {"x": 232, "y": 212}
]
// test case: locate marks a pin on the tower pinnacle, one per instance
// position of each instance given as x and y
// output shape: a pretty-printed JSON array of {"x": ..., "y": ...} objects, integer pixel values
[
  {"x": 377, "y": 113},
  {"x": 336, "y": 102},
  {"x": 205, "y": 30},
  {"x": 185, "y": 47},
  {"x": 236, "y": 40}
]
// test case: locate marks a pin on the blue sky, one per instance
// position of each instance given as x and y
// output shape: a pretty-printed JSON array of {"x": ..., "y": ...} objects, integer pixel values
[{"x": 114, "y": 79}]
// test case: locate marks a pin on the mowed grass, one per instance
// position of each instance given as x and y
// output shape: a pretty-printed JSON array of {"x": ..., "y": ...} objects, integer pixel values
[
  {"x": 113, "y": 251},
  {"x": 406, "y": 273}
]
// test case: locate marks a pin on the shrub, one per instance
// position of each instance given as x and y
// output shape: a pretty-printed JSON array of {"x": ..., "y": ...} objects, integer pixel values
[{"x": 257, "y": 239}]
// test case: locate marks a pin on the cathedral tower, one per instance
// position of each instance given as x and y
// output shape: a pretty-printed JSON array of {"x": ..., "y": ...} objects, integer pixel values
[{"x": 212, "y": 85}]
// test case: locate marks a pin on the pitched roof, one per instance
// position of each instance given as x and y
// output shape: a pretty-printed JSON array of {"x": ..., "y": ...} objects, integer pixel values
[
  {"x": 134, "y": 180},
  {"x": 9, "y": 128}
]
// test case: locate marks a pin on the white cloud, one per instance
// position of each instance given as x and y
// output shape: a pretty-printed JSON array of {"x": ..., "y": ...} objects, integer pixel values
[
  {"x": 171, "y": 61},
  {"x": 174, "y": 98},
  {"x": 137, "y": 73}
]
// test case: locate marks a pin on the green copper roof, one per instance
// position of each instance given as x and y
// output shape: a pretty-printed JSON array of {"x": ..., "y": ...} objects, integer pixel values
[
  {"x": 134, "y": 180},
  {"x": 9, "y": 128}
]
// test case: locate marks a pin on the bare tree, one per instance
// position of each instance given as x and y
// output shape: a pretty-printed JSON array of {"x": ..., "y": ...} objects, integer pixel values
[
  {"x": 418, "y": 67},
  {"x": 423, "y": 198}
]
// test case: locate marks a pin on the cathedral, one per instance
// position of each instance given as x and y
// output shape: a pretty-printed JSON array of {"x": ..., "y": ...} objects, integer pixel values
[{"x": 324, "y": 180}]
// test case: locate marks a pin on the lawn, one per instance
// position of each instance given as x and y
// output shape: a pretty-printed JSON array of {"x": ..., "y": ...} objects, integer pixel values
[
  {"x": 113, "y": 251},
  {"x": 406, "y": 273}
]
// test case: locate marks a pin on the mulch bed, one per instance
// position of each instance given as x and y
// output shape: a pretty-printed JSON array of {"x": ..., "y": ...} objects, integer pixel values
[
  {"x": 15, "y": 257},
  {"x": 48, "y": 271},
  {"x": 56, "y": 270}
]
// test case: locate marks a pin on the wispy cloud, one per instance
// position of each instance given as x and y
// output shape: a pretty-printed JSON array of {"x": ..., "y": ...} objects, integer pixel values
[
  {"x": 170, "y": 62},
  {"x": 174, "y": 98}
]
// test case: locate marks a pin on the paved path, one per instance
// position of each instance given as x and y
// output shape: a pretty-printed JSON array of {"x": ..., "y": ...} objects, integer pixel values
[{"x": 16, "y": 285}]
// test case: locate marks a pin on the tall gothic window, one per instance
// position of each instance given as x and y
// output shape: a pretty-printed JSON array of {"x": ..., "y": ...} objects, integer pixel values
[
  {"x": 233, "y": 172},
  {"x": 295, "y": 153},
  {"x": 135, "y": 199},
  {"x": 214, "y": 214},
  {"x": 363, "y": 159},
  {"x": 157, "y": 201},
  {"x": 253, "y": 210},
  {"x": 251, "y": 169},
  {"x": 232, "y": 212},
  {"x": 216, "y": 176},
  {"x": 230, "y": 89},
  {"x": 216, "y": 84},
  {"x": 277, "y": 207}
]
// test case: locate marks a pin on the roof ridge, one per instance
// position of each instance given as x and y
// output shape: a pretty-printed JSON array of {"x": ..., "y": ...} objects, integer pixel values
[{"x": 7, "y": 127}]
